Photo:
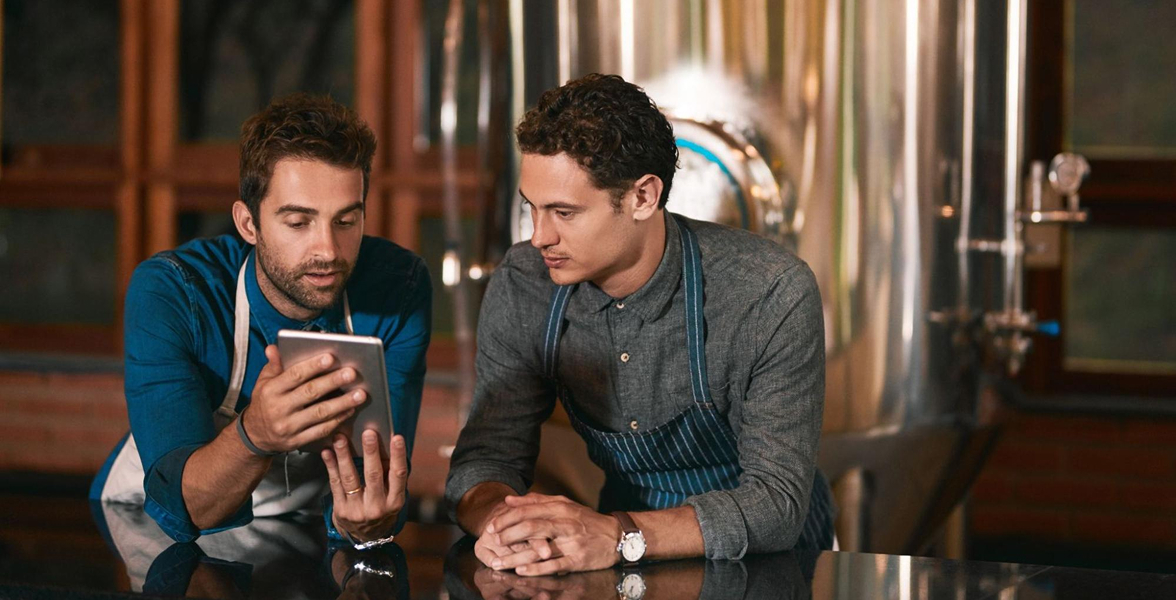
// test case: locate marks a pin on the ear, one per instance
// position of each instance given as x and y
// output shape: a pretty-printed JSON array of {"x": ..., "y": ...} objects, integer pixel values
[
  {"x": 246, "y": 225},
  {"x": 646, "y": 194}
]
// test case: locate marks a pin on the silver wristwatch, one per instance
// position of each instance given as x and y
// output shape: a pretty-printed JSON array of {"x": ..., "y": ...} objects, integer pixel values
[{"x": 632, "y": 544}]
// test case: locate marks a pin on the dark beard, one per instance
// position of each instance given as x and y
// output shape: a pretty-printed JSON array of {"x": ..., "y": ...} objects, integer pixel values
[{"x": 291, "y": 284}]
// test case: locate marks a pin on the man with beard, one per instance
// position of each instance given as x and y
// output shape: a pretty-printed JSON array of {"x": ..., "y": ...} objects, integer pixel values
[
  {"x": 217, "y": 420},
  {"x": 689, "y": 357}
]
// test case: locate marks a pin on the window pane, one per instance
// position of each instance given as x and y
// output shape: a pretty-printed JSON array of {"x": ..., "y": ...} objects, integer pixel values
[
  {"x": 432, "y": 250},
  {"x": 1122, "y": 61},
  {"x": 61, "y": 75},
  {"x": 67, "y": 276},
  {"x": 193, "y": 225},
  {"x": 237, "y": 56},
  {"x": 1121, "y": 300}
]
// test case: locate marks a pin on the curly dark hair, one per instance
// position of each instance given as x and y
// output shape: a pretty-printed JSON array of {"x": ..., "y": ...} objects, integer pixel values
[
  {"x": 301, "y": 126},
  {"x": 609, "y": 126}
]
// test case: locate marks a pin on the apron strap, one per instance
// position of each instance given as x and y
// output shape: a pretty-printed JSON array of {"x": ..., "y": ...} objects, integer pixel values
[
  {"x": 695, "y": 319},
  {"x": 228, "y": 407},
  {"x": 559, "y": 305}
]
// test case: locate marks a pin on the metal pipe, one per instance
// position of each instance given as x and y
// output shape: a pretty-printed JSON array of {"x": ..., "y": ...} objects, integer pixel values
[
  {"x": 1014, "y": 149},
  {"x": 967, "y": 153},
  {"x": 452, "y": 267}
]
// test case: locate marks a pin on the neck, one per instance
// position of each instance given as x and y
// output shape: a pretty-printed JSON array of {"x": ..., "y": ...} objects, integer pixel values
[
  {"x": 281, "y": 302},
  {"x": 635, "y": 274}
]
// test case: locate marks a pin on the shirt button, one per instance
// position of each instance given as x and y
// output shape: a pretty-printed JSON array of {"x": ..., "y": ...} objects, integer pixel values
[
  {"x": 633, "y": 425},
  {"x": 620, "y": 305},
  {"x": 624, "y": 357}
]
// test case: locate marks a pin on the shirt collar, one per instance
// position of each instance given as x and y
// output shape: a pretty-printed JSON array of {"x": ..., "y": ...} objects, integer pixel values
[
  {"x": 650, "y": 299},
  {"x": 268, "y": 320}
]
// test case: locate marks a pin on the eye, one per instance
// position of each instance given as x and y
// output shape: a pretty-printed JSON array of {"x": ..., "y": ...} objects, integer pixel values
[
  {"x": 564, "y": 214},
  {"x": 296, "y": 224},
  {"x": 345, "y": 222}
]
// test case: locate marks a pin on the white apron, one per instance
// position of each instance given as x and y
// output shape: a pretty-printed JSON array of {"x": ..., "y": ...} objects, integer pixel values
[{"x": 294, "y": 482}]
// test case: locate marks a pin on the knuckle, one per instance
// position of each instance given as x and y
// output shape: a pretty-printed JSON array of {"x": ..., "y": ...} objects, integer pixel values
[
  {"x": 323, "y": 431},
  {"x": 309, "y": 391}
]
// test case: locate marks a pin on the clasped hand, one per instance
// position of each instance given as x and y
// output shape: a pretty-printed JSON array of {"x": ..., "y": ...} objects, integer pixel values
[{"x": 538, "y": 534}]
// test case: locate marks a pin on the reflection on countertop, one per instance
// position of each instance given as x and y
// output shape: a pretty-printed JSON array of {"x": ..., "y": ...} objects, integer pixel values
[{"x": 54, "y": 547}]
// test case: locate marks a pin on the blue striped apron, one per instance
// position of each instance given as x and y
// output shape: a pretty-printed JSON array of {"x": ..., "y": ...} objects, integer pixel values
[{"x": 693, "y": 453}]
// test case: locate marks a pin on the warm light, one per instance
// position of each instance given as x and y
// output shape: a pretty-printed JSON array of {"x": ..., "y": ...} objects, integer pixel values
[{"x": 450, "y": 269}]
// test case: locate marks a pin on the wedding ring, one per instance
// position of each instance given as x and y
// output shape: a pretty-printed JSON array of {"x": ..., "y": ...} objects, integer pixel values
[{"x": 355, "y": 491}]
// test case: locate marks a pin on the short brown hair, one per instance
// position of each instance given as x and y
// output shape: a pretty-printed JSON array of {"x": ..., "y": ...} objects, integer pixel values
[
  {"x": 609, "y": 126},
  {"x": 301, "y": 126}
]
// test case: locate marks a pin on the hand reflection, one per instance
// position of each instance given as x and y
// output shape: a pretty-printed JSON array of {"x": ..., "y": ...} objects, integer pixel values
[{"x": 503, "y": 585}]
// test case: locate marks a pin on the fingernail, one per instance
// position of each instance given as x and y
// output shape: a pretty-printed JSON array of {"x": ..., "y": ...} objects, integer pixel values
[
  {"x": 348, "y": 374},
  {"x": 496, "y": 563},
  {"x": 340, "y": 443},
  {"x": 490, "y": 528},
  {"x": 325, "y": 360},
  {"x": 521, "y": 569},
  {"x": 399, "y": 441},
  {"x": 357, "y": 396}
]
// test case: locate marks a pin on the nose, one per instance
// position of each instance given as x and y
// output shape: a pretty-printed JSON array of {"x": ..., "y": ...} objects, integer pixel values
[
  {"x": 325, "y": 244},
  {"x": 544, "y": 235}
]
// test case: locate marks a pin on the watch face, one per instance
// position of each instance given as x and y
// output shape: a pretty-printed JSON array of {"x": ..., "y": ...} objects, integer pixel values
[
  {"x": 633, "y": 586},
  {"x": 633, "y": 547}
]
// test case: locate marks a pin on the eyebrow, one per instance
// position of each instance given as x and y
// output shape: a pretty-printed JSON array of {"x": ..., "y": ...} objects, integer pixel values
[
  {"x": 305, "y": 210},
  {"x": 552, "y": 205}
]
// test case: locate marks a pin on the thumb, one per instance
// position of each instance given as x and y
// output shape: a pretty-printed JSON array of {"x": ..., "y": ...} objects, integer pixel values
[{"x": 273, "y": 367}]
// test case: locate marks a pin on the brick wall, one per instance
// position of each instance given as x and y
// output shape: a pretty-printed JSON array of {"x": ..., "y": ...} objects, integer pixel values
[
  {"x": 68, "y": 423},
  {"x": 58, "y": 422},
  {"x": 1088, "y": 481}
]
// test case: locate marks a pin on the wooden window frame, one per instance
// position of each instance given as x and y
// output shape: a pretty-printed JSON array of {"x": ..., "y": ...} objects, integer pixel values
[
  {"x": 149, "y": 178},
  {"x": 1120, "y": 193}
]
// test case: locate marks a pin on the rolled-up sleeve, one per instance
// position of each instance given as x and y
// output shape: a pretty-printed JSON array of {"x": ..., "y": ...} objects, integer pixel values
[
  {"x": 167, "y": 400},
  {"x": 500, "y": 440},
  {"x": 780, "y": 427}
]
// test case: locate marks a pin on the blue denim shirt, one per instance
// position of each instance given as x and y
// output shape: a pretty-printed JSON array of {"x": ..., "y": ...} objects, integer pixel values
[{"x": 178, "y": 334}]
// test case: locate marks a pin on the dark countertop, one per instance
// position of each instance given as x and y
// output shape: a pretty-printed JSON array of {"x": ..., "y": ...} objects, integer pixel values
[{"x": 66, "y": 548}]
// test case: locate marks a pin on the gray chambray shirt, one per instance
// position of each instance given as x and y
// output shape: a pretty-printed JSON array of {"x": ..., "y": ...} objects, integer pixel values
[{"x": 765, "y": 355}]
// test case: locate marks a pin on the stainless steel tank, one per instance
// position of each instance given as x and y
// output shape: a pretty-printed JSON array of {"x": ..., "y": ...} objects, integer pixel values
[{"x": 881, "y": 141}]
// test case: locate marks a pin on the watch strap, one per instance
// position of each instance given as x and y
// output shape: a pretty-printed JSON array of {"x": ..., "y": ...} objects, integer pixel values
[{"x": 627, "y": 524}]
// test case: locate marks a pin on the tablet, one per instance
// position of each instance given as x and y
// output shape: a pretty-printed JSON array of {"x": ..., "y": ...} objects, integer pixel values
[{"x": 365, "y": 354}]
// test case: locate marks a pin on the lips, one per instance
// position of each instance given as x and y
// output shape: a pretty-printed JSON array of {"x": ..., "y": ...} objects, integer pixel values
[
  {"x": 554, "y": 262},
  {"x": 322, "y": 279}
]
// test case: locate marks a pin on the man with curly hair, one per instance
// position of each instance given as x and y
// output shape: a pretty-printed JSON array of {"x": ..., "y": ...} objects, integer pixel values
[
  {"x": 217, "y": 419},
  {"x": 689, "y": 356}
]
